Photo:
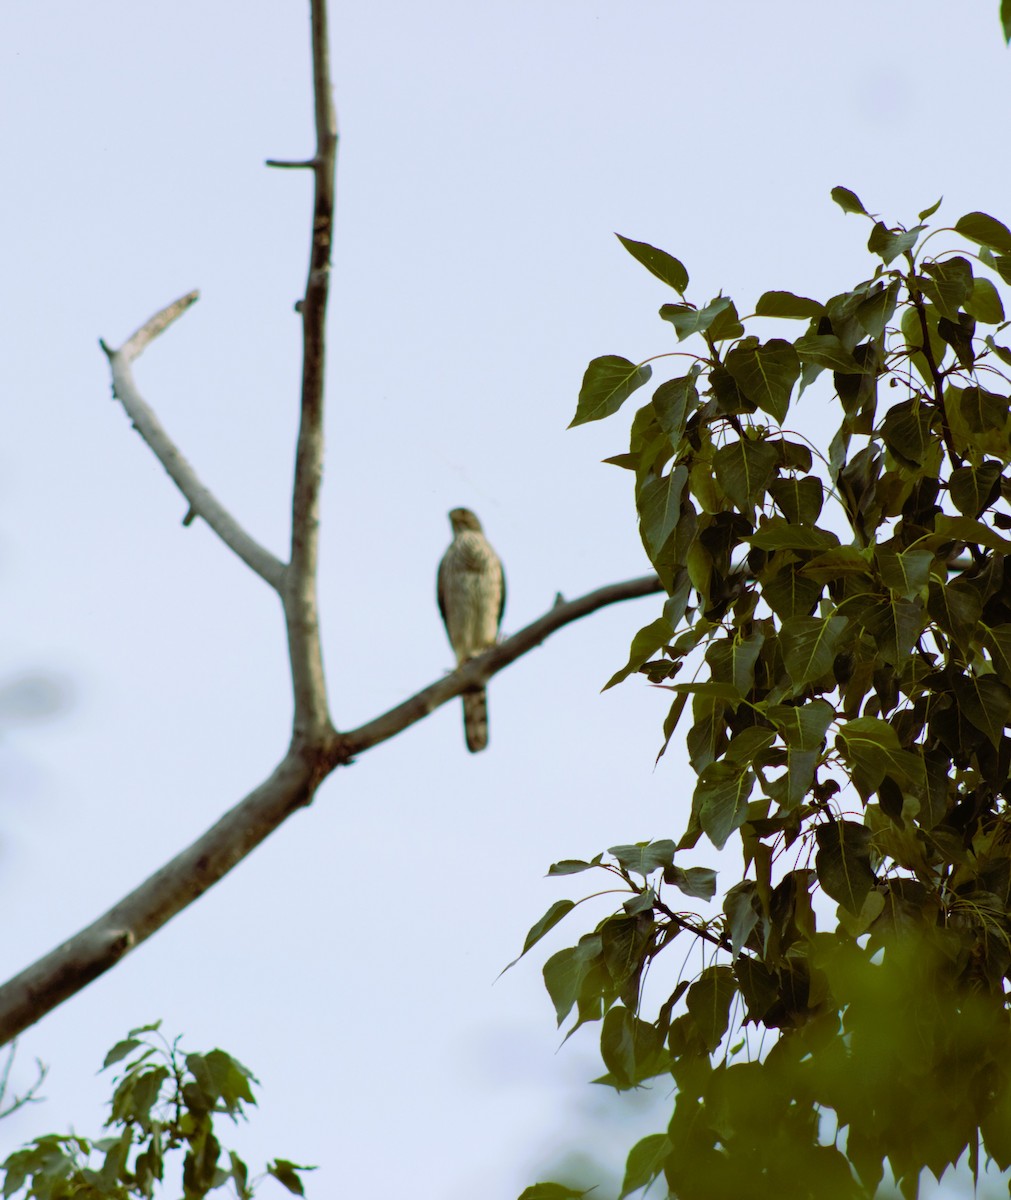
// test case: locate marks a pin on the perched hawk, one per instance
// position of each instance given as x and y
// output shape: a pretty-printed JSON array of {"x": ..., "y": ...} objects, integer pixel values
[{"x": 471, "y": 591}]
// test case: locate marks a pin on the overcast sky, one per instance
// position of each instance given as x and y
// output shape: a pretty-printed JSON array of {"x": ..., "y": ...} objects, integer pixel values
[{"x": 488, "y": 153}]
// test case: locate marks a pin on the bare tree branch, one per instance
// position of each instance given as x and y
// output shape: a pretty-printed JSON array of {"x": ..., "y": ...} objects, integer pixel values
[
  {"x": 201, "y": 501},
  {"x": 479, "y": 670},
  {"x": 37, "y": 990},
  {"x": 91, "y": 952},
  {"x": 300, "y": 599}
]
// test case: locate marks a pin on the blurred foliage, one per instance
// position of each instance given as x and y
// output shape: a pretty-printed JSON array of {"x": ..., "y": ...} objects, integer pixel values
[
  {"x": 842, "y": 616},
  {"x": 163, "y": 1107}
]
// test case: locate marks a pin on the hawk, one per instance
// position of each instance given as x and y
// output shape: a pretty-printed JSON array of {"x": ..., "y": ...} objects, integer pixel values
[{"x": 471, "y": 593}]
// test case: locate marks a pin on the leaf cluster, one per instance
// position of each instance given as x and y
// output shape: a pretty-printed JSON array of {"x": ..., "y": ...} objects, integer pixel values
[
  {"x": 838, "y": 625},
  {"x": 163, "y": 1106}
]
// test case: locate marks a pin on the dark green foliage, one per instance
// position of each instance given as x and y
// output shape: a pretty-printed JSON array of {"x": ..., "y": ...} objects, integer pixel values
[
  {"x": 838, "y": 628},
  {"x": 163, "y": 1108}
]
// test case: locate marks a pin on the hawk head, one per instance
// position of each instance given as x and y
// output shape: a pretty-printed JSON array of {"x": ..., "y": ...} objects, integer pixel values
[{"x": 463, "y": 519}]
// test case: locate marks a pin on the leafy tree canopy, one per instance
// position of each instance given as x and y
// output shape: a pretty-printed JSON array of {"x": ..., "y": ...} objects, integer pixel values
[{"x": 837, "y": 640}]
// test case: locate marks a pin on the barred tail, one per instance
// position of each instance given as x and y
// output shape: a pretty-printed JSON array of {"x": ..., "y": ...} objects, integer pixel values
[{"x": 475, "y": 720}]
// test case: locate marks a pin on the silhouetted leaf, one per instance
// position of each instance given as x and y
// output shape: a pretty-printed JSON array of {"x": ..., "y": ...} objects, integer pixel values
[
  {"x": 786, "y": 304},
  {"x": 644, "y": 1164},
  {"x": 658, "y": 262},
  {"x": 848, "y": 201}
]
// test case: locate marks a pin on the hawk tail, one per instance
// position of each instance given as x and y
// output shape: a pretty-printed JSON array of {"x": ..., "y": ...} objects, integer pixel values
[{"x": 475, "y": 720}]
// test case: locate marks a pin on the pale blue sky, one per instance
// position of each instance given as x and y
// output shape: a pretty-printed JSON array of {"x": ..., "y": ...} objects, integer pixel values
[{"x": 488, "y": 154}]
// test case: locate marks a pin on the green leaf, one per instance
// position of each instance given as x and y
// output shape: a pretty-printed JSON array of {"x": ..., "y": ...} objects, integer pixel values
[
  {"x": 644, "y": 1164},
  {"x": 566, "y": 972},
  {"x": 929, "y": 212},
  {"x": 1005, "y": 24},
  {"x": 957, "y": 608},
  {"x": 687, "y": 320},
  {"x": 872, "y": 746},
  {"x": 985, "y": 304},
  {"x": 964, "y": 529},
  {"x": 632, "y": 1049},
  {"x": 726, "y": 325},
  {"x": 810, "y": 645},
  {"x": 985, "y": 230},
  {"x": 573, "y": 866},
  {"x": 791, "y": 788},
  {"x": 743, "y": 469},
  {"x": 895, "y": 624},
  {"x": 826, "y": 350},
  {"x": 607, "y": 384},
  {"x": 908, "y": 432},
  {"x": 985, "y": 702},
  {"x": 287, "y": 1173},
  {"x": 802, "y": 726},
  {"x": 709, "y": 1000},
  {"x": 848, "y": 201},
  {"x": 699, "y": 882},
  {"x": 798, "y": 499},
  {"x": 876, "y": 310},
  {"x": 843, "y": 862},
  {"x": 555, "y": 913},
  {"x": 791, "y": 594},
  {"x": 732, "y": 660},
  {"x": 907, "y": 573},
  {"x": 721, "y": 800},
  {"x": 741, "y": 914},
  {"x": 776, "y": 533},
  {"x": 222, "y": 1078},
  {"x": 120, "y": 1051},
  {"x": 888, "y": 244},
  {"x": 659, "y": 502},
  {"x": 551, "y": 1191},
  {"x": 974, "y": 489},
  {"x": 766, "y": 374},
  {"x": 658, "y": 262},
  {"x": 642, "y": 858},
  {"x": 672, "y": 403},
  {"x": 949, "y": 286},
  {"x": 644, "y": 645},
  {"x": 786, "y": 304}
]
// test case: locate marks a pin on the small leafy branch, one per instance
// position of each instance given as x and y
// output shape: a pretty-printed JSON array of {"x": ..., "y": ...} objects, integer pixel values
[
  {"x": 843, "y": 617},
  {"x": 164, "y": 1104}
]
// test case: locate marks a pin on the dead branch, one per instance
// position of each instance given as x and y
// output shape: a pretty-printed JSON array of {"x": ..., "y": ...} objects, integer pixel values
[
  {"x": 202, "y": 501},
  {"x": 38, "y": 989}
]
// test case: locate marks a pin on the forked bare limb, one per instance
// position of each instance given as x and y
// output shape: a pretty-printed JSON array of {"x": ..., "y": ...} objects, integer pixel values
[
  {"x": 316, "y": 748},
  {"x": 202, "y": 502}
]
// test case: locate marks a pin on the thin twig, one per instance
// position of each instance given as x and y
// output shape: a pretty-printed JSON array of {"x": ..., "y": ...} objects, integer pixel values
[
  {"x": 201, "y": 501},
  {"x": 300, "y": 599}
]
